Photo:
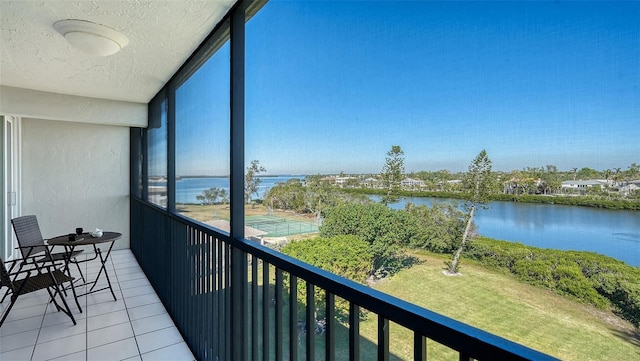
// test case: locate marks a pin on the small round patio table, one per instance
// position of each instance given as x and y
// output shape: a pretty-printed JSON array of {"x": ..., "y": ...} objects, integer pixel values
[{"x": 69, "y": 242}]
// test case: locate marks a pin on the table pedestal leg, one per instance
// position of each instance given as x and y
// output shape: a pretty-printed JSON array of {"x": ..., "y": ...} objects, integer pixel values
[{"x": 103, "y": 261}]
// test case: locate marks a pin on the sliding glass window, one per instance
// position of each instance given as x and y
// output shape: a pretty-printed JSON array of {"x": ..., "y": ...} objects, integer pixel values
[
  {"x": 157, "y": 152},
  {"x": 202, "y": 141}
]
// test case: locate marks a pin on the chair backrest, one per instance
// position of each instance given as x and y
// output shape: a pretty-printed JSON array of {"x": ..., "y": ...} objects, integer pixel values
[{"x": 28, "y": 234}]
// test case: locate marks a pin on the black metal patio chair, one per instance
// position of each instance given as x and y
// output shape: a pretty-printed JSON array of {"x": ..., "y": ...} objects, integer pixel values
[
  {"x": 44, "y": 277},
  {"x": 32, "y": 244},
  {"x": 34, "y": 250}
]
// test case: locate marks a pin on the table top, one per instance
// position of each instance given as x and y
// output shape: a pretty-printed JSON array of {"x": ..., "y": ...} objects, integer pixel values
[{"x": 84, "y": 239}]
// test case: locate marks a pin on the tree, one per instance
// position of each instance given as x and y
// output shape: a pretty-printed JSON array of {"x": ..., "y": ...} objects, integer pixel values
[
  {"x": 251, "y": 180},
  {"x": 616, "y": 177},
  {"x": 382, "y": 228},
  {"x": 346, "y": 256},
  {"x": 211, "y": 195},
  {"x": 588, "y": 173},
  {"x": 607, "y": 175},
  {"x": 287, "y": 196},
  {"x": 632, "y": 173},
  {"x": 634, "y": 170},
  {"x": 320, "y": 195},
  {"x": 392, "y": 174},
  {"x": 550, "y": 180},
  {"x": 478, "y": 180},
  {"x": 437, "y": 228}
]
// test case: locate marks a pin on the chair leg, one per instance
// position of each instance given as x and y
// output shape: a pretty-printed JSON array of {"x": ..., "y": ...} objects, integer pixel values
[
  {"x": 6, "y": 293},
  {"x": 75, "y": 296},
  {"x": 52, "y": 298},
  {"x": 66, "y": 308},
  {"x": 62, "y": 291},
  {"x": 6, "y": 312},
  {"x": 11, "y": 270},
  {"x": 79, "y": 270}
]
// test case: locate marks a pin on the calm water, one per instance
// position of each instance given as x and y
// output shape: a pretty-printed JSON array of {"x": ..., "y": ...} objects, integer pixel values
[
  {"x": 188, "y": 188},
  {"x": 610, "y": 232}
]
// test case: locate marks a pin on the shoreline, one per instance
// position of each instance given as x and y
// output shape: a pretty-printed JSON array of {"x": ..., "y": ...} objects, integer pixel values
[{"x": 564, "y": 200}]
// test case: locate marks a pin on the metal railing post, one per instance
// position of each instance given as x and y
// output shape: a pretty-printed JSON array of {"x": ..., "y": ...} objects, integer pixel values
[{"x": 239, "y": 306}]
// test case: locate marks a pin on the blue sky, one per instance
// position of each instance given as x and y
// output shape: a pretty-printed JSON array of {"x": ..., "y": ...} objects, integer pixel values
[{"x": 331, "y": 86}]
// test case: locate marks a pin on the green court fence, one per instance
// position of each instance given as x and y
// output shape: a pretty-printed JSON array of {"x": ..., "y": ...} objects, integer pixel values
[{"x": 280, "y": 227}]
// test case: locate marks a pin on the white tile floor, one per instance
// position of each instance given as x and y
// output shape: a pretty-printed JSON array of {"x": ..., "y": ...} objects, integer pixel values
[{"x": 135, "y": 327}]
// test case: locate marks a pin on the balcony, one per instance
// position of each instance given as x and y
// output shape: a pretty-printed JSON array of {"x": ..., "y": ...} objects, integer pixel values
[
  {"x": 136, "y": 326},
  {"x": 214, "y": 288},
  {"x": 228, "y": 298},
  {"x": 193, "y": 270}
]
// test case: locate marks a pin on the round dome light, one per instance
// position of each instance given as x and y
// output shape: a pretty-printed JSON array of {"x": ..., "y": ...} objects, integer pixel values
[{"x": 91, "y": 38}]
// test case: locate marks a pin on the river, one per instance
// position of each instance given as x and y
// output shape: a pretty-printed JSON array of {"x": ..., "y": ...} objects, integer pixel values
[
  {"x": 188, "y": 188},
  {"x": 614, "y": 233}
]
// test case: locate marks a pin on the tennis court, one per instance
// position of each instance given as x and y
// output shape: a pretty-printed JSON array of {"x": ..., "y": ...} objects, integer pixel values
[{"x": 279, "y": 227}]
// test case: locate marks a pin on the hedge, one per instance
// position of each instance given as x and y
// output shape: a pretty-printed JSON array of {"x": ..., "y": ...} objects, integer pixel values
[{"x": 585, "y": 276}]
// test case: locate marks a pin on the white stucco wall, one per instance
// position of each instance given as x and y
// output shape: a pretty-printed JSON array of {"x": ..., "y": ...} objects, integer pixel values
[
  {"x": 76, "y": 175},
  {"x": 27, "y": 103}
]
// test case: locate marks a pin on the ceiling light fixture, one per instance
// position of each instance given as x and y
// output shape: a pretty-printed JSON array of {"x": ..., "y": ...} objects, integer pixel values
[{"x": 92, "y": 38}]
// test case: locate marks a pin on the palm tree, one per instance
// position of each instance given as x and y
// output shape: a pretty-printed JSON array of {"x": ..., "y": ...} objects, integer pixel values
[
  {"x": 633, "y": 171},
  {"x": 575, "y": 172},
  {"x": 616, "y": 177}
]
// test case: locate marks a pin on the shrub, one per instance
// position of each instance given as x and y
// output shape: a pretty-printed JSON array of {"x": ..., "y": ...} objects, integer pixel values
[
  {"x": 437, "y": 229},
  {"x": 588, "y": 277},
  {"x": 346, "y": 256},
  {"x": 382, "y": 228}
]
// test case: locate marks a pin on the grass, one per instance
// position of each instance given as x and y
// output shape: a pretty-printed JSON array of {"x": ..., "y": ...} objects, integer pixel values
[
  {"x": 501, "y": 305},
  {"x": 494, "y": 302},
  {"x": 204, "y": 213}
]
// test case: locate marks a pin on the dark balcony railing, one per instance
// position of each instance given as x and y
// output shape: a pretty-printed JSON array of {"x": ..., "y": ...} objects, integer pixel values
[{"x": 235, "y": 299}]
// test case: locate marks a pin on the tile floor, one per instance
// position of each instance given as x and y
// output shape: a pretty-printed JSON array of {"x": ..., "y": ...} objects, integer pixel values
[{"x": 135, "y": 327}]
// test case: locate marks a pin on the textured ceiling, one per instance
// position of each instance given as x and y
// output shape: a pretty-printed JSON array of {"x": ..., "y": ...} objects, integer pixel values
[{"x": 162, "y": 35}]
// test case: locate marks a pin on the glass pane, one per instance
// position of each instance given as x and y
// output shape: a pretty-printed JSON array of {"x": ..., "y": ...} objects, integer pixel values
[
  {"x": 157, "y": 153},
  {"x": 137, "y": 159},
  {"x": 549, "y": 90},
  {"x": 202, "y": 142}
]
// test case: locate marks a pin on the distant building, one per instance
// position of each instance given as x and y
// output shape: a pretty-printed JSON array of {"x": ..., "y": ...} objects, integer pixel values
[
  {"x": 580, "y": 184},
  {"x": 630, "y": 187},
  {"x": 370, "y": 182},
  {"x": 522, "y": 185},
  {"x": 412, "y": 183},
  {"x": 158, "y": 194},
  {"x": 341, "y": 181}
]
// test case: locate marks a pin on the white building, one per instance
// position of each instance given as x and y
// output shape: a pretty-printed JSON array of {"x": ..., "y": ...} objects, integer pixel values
[
  {"x": 580, "y": 184},
  {"x": 630, "y": 187},
  {"x": 411, "y": 183}
]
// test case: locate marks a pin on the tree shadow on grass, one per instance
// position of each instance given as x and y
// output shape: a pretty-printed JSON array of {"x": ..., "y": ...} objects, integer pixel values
[
  {"x": 394, "y": 265},
  {"x": 632, "y": 337},
  {"x": 408, "y": 261}
]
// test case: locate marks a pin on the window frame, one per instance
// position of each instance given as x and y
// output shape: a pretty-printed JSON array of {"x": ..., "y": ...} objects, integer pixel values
[{"x": 231, "y": 28}]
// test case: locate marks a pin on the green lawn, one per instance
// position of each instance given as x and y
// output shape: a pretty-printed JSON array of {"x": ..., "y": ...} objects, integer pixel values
[
  {"x": 501, "y": 305},
  {"x": 494, "y": 302}
]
